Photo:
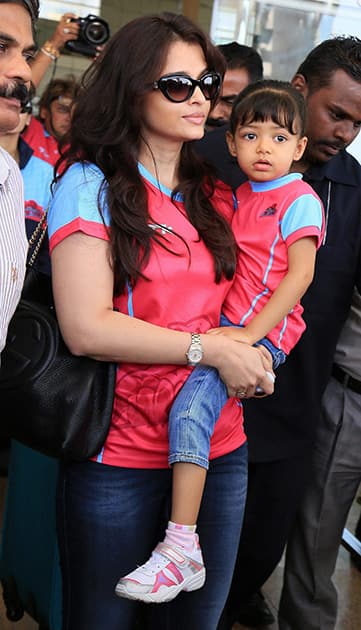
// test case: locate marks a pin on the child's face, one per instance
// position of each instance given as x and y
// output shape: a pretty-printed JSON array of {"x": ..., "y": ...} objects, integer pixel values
[{"x": 265, "y": 150}]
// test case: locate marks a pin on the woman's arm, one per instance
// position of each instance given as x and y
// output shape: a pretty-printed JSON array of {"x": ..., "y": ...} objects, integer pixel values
[
  {"x": 301, "y": 265},
  {"x": 83, "y": 291}
]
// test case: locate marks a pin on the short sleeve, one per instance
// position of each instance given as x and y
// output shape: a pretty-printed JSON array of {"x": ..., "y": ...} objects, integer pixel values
[
  {"x": 304, "y": 217},
  {"x": 224, "y": 200},
  {"x": 75, "y": 205}
]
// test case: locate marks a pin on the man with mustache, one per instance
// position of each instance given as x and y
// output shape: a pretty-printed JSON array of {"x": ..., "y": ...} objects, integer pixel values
[
  {"x": 281, "y": 428},
  {"x": 17, "y": 48}
]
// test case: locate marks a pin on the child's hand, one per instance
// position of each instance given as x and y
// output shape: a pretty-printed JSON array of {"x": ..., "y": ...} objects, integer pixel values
[{"x": 234, "y": 332}]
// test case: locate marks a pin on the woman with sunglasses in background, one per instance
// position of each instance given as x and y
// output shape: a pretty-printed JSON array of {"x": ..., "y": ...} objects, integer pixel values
[{"x": 142, "y": 258}]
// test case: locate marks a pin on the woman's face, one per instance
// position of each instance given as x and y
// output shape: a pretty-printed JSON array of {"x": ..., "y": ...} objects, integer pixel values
[{"x": 165, "y": 122}]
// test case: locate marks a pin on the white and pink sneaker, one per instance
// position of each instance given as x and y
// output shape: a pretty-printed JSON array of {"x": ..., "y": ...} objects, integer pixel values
[{"x": 167, "y": 572}]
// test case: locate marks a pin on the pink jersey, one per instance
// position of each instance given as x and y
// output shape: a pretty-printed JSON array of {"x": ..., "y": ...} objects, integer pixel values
[
  {"x": 270, "y": 217},
  {"x": 181, "y": 294}
]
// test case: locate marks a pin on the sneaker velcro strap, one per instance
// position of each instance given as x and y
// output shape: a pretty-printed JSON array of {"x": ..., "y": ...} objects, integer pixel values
[{"x": 171, "y": 553}]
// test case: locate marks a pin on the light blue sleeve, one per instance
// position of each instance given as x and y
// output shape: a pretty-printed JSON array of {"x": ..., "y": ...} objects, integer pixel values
[
  {"x": 306, "y": 211},
  {"x": 37, "y": 175},
  {"x": 76, "y": 199}
]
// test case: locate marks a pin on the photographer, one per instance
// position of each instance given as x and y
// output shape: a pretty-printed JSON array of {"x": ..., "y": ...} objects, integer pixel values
[
  {"x": 66, "y": 30},
  {"x": 85, "y": 36}
]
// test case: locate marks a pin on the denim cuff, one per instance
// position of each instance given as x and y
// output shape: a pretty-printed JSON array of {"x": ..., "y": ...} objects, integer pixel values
[
  {"x": 188, "y": 458},
  {"x": 278, "y": 356}
]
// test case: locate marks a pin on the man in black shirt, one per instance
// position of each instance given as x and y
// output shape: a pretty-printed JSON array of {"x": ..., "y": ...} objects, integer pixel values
[
  {"x": 281, "y": 428},
  {"x": 244, "y": 66}
]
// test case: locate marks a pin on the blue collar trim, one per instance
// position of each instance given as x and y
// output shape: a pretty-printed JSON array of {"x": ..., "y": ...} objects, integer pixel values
[
  {"x": 163, "y": 189},
  {"x": 274, "y": 183}
]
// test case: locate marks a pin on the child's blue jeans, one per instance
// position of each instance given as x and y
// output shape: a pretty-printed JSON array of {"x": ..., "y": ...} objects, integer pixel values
[{"x": 197, "y": 407}]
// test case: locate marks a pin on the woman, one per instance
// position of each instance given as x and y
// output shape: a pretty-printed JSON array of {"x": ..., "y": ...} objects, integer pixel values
[{"x": 142, "y": 256}]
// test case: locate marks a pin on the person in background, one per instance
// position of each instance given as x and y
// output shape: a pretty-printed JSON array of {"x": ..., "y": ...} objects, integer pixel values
[
  {"x": 281, "y": 428},
  {"x": 133, "y": 201},
  {"x": 17, "y": 19},
  {"x": 266, "y": 136},
  {"x": 244, "y": 66},
  {"x": 65, "y": 31},
  {"x": 309, "y": 597},
  {"x": 44, "y": 134}
]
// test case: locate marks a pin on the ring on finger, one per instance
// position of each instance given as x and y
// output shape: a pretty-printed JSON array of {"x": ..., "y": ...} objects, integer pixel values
[
  {"x": 241, "y": 393},
  {"x": 271, "y": 376},
  {"x": 66, "y": 31}
]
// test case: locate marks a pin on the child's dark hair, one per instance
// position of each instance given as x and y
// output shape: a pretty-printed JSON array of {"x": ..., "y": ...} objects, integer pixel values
[{"x": 272, "y": 100}]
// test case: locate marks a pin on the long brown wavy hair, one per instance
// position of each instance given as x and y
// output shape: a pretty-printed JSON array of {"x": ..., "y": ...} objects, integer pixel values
[{"x": 106, "y": 130}]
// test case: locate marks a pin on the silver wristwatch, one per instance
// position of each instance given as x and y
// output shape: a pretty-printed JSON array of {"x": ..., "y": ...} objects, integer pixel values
[{"x": 195, "y": 351}]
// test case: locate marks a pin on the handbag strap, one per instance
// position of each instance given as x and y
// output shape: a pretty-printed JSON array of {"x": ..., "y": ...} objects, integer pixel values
[{"x": 37, "y": 237}]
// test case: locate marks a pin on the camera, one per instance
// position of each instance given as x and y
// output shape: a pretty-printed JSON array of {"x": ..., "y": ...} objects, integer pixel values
[{"x": 93, "y": 31}]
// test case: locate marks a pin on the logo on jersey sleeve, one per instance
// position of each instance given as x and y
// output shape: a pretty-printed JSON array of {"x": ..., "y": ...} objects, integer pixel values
[{"x": 33, "y": 211}]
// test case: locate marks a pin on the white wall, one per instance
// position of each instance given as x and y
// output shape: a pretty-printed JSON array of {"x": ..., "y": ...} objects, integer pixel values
[{"x": 355, "y": 148}]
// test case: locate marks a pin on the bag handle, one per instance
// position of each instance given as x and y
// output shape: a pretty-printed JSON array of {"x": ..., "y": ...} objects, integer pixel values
[{"x": 37, "y": 237}]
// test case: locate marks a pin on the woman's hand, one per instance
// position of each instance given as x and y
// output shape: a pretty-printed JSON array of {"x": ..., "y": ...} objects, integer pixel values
[
  {"x": 237, "y": 333},
  {"x": 241, "y": 367}
]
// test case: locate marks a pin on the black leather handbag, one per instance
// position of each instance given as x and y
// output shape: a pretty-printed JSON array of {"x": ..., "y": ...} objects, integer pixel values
[{"x": 52, "y": 401}]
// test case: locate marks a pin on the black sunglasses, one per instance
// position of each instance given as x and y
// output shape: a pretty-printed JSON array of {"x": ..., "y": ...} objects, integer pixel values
[{"x": 179, "y": 87}]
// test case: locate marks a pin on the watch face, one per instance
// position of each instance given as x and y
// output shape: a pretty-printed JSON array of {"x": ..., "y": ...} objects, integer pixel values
[
  {"x": 195, "y": 351},
  {"x": 194, "y": 355}
]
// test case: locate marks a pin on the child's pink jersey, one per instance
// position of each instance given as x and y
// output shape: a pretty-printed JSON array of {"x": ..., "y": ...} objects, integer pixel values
[{"x": 270, "y": 217}]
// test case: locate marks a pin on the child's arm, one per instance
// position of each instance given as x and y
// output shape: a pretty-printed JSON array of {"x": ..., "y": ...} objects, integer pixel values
[{"x": 301, "y": 264}]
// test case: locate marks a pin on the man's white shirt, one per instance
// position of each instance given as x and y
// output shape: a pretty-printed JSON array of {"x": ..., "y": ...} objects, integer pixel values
[{"x": 13, "y": 241}]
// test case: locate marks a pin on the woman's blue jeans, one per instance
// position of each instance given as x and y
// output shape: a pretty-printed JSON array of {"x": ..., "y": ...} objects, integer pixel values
[{"x": 109, "y": 521}]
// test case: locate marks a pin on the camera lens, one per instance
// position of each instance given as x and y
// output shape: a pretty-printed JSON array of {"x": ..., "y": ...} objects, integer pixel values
[
  {"x": 93, "y": 31},
  {"x": 97, "y": 32}
]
